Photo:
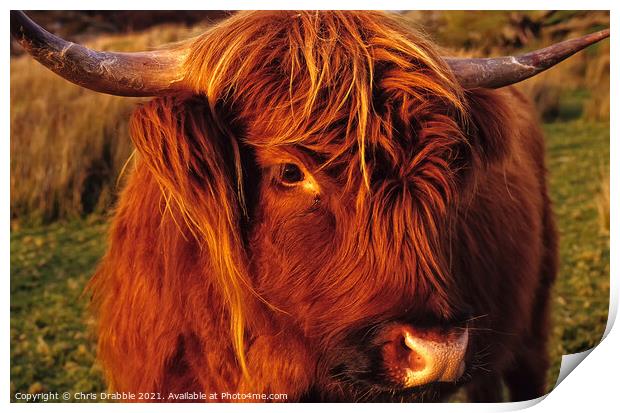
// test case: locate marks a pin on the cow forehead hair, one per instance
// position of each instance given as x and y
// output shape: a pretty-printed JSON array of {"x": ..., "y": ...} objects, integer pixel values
[{"x": 325, "y": 80}]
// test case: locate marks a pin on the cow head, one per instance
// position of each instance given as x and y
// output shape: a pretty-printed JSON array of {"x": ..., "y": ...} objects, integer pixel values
[{"x": 321, "y": 159}]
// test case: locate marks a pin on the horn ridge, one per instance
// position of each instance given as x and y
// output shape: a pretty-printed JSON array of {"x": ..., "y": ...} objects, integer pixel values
[
  {"x": 498, "y": 72},
  {"x": 149, "y": 73}
]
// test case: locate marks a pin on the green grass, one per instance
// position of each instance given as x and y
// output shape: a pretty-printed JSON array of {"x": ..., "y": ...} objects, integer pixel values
[
  {"x": 52, "y": 350},
  {"x": 578, "y": 160},
  {"x": 52, "y": 347}
]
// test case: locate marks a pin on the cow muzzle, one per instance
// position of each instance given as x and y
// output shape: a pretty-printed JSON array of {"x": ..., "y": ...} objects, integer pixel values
[{"x": 415, "y": 357}]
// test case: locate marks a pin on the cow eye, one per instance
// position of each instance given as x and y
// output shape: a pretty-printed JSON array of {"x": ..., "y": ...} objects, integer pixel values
[{"x": 290, "y": 174}]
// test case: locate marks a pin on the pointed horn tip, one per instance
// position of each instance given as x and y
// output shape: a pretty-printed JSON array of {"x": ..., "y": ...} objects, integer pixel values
[
  {"x": 596, "y": 36},
  {"x": 604, "y": 33}
]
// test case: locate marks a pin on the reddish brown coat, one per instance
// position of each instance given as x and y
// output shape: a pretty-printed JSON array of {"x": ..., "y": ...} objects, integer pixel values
[{"x": 420, "y": 203}]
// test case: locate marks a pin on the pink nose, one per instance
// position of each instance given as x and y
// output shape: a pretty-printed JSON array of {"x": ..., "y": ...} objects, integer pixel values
[{"x": 414, "y": 357}]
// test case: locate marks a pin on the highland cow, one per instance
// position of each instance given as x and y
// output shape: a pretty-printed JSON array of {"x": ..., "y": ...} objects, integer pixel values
[{"x": 323, "y": 206}]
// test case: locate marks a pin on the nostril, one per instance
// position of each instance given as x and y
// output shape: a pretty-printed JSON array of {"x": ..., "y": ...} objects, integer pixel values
[
  {"x": 401, "y": 350},
  {"x": 408, "y": 356},
  {"x": 403, "y": 343}
]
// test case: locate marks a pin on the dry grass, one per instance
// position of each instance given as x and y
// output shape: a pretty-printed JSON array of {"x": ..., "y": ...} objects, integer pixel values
[
  {"x": 602, "y": 203},
  {"x": 67, "y": 145},
  {"x": 597, "y": 81}
]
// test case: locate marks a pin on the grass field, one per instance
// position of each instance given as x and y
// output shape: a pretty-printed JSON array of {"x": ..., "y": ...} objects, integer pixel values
[
  {"x": 52, "y": 349},
  {"x": 578, "y": 160}
]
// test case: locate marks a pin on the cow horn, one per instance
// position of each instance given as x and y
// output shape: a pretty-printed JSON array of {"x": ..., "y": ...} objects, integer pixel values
[
  {"x": 149, "y": 73},
  {"x": 503, "y": 71}
]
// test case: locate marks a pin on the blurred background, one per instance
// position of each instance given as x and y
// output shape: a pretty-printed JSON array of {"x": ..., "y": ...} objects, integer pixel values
[{"x": 69, "y": 147}]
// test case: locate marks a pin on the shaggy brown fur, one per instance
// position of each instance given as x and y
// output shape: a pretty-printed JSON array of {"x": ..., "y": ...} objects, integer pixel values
[{"x": 418, "y": 202}]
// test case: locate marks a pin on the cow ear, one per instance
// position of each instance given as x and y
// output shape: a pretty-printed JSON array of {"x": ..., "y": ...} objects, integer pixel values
[
  {"x": 490, "y": 117},
  {"x": 197, "y": 162}
]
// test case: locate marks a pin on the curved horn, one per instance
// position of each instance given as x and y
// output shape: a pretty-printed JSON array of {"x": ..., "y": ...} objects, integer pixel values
[
  {"x": 124, "y": 74},
  {"x": 503, "y": 71}
]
